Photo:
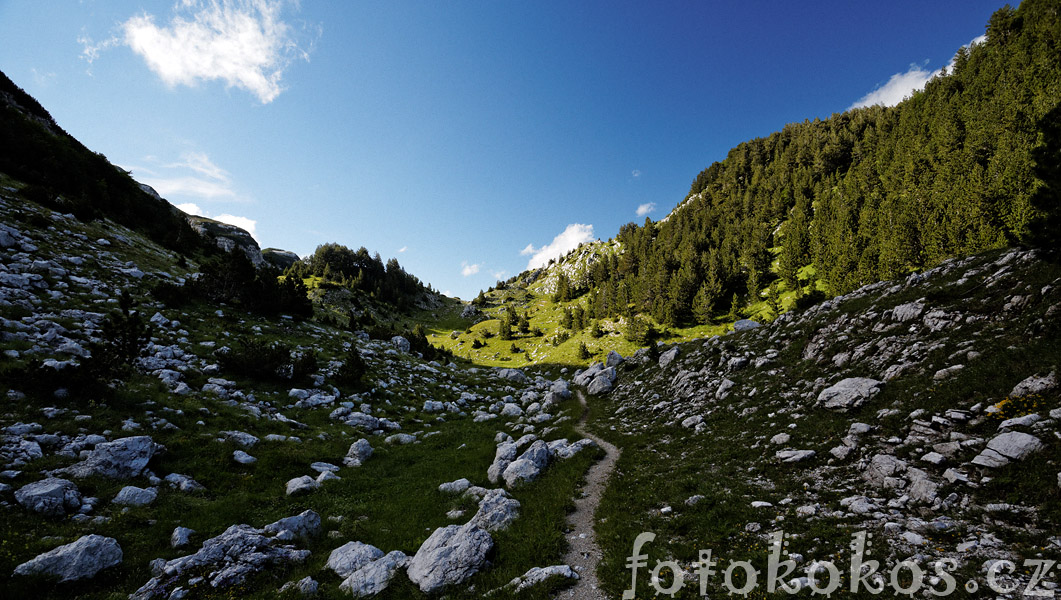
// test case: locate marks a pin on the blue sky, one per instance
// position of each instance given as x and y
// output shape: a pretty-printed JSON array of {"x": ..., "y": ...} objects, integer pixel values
[{"x": 467, "y": 139}]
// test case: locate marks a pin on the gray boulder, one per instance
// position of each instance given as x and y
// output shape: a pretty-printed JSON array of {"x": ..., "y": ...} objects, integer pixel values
[
  {"x": 306, "y": 524},
  {"x": 497, "y": 510},
  {"x": 450, "y": 556},
  {"x": 350, "y": 557},
  {"x": 614, "y": 359},
  {"x": 455, "y": 487},
  {"x": 121, "y": 459},
  {"x": 131, "y": 495},
  {"x": 503, "y": 457},
  {"x": 52, "y": 497},
  {"x": 1035, "y": 384},
  {"x": 1007, "y": 447},
  {"x": 849, "y": 393},
  {"x": 358, "y": 453},
  {"x": 528, "y": 466},
  {"x": 668, "y": 357},
  {"x": 601, "y": 384},
  {"x": 301, "y": 485},
  {"x": 181, "y": 537},
  {"x": 374, "y": 577},
  {"x": 884, "y": 470},
  {"x": 81, "y": 559},
  {"x": 745, "y": 325}
]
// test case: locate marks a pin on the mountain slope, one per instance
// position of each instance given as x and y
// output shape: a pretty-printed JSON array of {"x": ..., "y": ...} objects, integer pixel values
[{"x": 866, "y": 195}]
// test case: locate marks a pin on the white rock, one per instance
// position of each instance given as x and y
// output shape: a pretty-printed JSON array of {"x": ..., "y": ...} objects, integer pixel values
[
  {"x": 1006, "y": 447},
  {"x": 374, "y": 577},
  {"x": 121, "y": 459},
  {"x": 350, "y": 557},
  {"x": 81, "y": 559},
  {"x": 849, "y": 393},
  {"x": 51, "y": 497},
  {"x": 301, "y": 485},
  {"x": 449, "y": 556},
  {"x": 243, "y": 458},
  {"x": 131, "y": 495},
  {"x": 358, "y": 453}
]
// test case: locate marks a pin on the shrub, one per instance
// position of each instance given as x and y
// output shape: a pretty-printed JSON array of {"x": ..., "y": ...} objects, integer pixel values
[{"x": 353, "y": 369}]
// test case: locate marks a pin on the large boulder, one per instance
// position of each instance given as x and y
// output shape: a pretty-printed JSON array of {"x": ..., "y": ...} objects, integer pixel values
[
  {"x": 497, "y": 510},
  {"x": 601, "y": 384},
  {"x": 52, "y": 497},
  {"x": 614, "y": 359},
  {"x": 528, "y": 466},
  {"x": 350, "y": 557},
  {"x": 1007, "y": 447},
  {"x": 81, "y": 559},
  {"x": 1036, "y": 384},
  {"x": 121, "y": 459},
  {"x": 374, "y": 577},
  {"x": 849, "y": 393},
  {"x": 668, "y": 357},
  {"x": 400, "y": 343},
  {"x": 450, "y": 556}
]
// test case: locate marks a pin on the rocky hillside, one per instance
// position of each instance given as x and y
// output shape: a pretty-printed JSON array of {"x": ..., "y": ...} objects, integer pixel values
[
  {"x": 925, "y": 412},
  {"x": 193, "y": 449}
]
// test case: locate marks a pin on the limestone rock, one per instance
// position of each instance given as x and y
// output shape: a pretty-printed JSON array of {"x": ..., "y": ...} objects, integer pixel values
[
  {"x": 81, "y": 559},
  {"x": 849, "y": 393},
  {"x": 52, "y": 497},
  {"x": 1007, "y": 447},
  {"x": 124, "y": 458},
  {"x": 450, "y": 556}
]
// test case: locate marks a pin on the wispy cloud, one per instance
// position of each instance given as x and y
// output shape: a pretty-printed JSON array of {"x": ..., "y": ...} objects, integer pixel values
[
  {"x": 245, "y": 43},
  {"x": 499, "y": 275},
  {"x": 646, "y": 208},
  {"x": 469, "y": 269},
  {"x": 902, "y": 85},
  {"x": 569, "y": 239},
  {"x": 402, "y": 249},
  {"x": 194, "y": 175},
  {"x": 635, "y": 173}
]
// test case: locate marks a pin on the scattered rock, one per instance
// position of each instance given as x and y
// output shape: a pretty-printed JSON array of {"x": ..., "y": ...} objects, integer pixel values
[{"x": 1007, "y": 447}]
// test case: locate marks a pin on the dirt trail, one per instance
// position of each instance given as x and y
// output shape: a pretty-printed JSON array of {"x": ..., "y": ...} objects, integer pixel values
[{"x": 584, "y": 553}]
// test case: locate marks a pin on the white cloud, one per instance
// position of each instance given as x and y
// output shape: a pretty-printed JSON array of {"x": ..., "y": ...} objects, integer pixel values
[
  {"x": 635, "y": 173},
  {"x": 402, "y": 249},
  {"x": 468, "y": 270},
  {"x": 569, "y": 239},
  {"x": 190, "y": 208},
  {"x": 902, "y": 85},
  {"x": 499, "y": 275},
  {"x": 194, "y": 176},
  {"x": 646, "y": 208},
  {"x": 245, "y": 43}
]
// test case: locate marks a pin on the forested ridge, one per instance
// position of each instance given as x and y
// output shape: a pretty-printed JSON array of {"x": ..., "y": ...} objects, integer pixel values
[{"x": 865, "y": 195}]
